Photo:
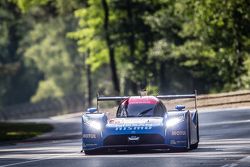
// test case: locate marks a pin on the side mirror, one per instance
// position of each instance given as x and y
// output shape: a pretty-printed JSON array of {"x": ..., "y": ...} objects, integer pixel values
[
  {"x": 180, "y": 107},
  {"x": 91, "y": 110}
]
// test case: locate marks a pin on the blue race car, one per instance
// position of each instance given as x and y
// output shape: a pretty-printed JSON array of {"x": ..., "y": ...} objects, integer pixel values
[{"x": 141, "y": 122}]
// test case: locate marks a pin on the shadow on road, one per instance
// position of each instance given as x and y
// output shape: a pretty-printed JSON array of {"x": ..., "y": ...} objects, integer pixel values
[{"x": 151, "y": 151}]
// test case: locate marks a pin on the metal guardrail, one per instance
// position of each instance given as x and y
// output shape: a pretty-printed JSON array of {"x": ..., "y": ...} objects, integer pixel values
[
  {"x": 224, "y": 99},
  {"x": 52, "y": 107},
  {"x": 221, "y": 95}
]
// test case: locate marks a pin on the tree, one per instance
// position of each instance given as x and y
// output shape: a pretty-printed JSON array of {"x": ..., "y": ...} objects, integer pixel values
[
  {"x": 17, "y": 81},
  {"x": 110, "y": 45},
  {"x": 94, "y": 36},
  {"x": 136, "y": 37},
  {"x": 223, "y": 28},
  {"x": 54, "y": 55},
  {"x": 45, "y": 43},
  {"x": 204, "y": 38},
  {"x": 176, "y": 45}
]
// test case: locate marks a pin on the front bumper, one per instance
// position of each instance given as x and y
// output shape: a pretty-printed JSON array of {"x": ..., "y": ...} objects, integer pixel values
[
  {"x": 137, "y": 147},
  {"x": 118, "y": 142}
]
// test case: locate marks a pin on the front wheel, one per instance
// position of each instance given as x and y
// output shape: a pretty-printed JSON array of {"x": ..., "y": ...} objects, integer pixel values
[
  {"x": 188, "y": 146},
  {"x": 194, "y": 146},
  {"x": 91, "y": 152}
]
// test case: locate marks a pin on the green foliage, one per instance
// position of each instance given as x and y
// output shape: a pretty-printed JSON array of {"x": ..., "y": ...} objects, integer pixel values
[
  {"x": 12, "y": 132},
  {"x": 17, "y": 82},
  {"x": 47, "y": 48},
  {"x": 61, "y": 6},
  {"x": 89, "y": 35},
  {"x": 24, "y": 5},
  {"x": 34, "y": 49},
  {"x": 246, "y": 78},
  {"x": 47, "y": 89},
  {"x": 152, "y": 90},
  {"x": 204, "y": 37},
  {"x": 173, "y": 45},
  {"x": 221, "y": 27}
]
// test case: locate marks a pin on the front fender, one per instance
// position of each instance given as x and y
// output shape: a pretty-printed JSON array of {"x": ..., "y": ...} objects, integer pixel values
[
  {"x": 92, "y": 137},
  {"x": 178, "y": 134}
]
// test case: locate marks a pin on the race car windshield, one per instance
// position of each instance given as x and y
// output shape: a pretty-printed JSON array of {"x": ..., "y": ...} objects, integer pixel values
[{"x": 137, "y": 110}]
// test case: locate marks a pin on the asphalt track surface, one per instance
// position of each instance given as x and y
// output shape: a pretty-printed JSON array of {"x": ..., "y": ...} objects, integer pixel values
[{"x": 225, "y": 142}]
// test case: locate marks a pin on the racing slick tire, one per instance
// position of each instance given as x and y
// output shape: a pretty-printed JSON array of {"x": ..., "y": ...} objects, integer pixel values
[
  {"x": 195, "y": 146},
  {"x": 92, "y": 152},
  {"x": 188, "y": 146}
]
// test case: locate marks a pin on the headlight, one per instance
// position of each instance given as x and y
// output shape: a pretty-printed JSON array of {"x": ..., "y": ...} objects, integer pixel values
[
  {"x": 174, "y": 121},
  {"x": 95, "y": 124}
]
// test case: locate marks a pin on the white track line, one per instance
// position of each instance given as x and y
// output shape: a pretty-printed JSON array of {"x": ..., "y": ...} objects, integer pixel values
[
  {"x": 230, "y": 165},
  {"x": 226, "y": 122},
  {"x": 243, "y": 160},
  {"x": 37, "y": 160}
]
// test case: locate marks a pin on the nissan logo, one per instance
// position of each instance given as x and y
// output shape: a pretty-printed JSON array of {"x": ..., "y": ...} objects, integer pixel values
[{"x": 133, "y": 138}]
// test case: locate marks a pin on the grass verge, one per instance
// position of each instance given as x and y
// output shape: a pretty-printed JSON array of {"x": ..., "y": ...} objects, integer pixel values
[{"x": 11, "y": 132}]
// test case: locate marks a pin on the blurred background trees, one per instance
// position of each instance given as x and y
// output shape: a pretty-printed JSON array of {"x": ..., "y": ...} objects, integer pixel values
[{"x": 60, "y": 48}]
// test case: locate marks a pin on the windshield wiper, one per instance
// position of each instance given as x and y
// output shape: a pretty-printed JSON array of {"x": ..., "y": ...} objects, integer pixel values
[{"x": 144, "y": 112}]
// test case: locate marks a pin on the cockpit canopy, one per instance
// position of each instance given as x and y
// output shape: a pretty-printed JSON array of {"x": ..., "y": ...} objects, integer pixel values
[{"x": 145, "y": 106}]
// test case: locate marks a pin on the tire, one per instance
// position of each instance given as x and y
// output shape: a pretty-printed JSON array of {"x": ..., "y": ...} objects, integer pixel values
[
  {"x": 188, "y": 146},
  {"x": 90, "y": 152},
  {"x": 195, "y": 146}
]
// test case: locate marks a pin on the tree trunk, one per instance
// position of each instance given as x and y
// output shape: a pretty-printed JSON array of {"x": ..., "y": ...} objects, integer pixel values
[
  {"x": 110, "y": 47},
  {"x": 163, "y": 83},
  {"x": 131, "y": 42},
  {"x": 89, "y": 81},
  {"x": 239, "y": 69},
  {"x": 131, "y": 38}
]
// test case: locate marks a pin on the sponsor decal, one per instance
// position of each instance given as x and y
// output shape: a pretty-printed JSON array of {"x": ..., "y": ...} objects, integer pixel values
[
  {"x": 172, "y": 142},
  {"x": 134, "y": 124},
  {"x": 178, "y": 142},
  {"x": 178, "y": 133},
  {"x": 112, "y": 121},
  {"x": 126, "y": 127},
  {"x": 89, "y": 136},
  {"x": 133, "y": 121},
  {"x": 181, "y": 141}
]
